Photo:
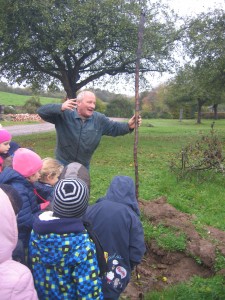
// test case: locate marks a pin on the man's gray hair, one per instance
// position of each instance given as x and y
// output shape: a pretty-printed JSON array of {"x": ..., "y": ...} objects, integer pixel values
[{"x": 82, "y": 94}]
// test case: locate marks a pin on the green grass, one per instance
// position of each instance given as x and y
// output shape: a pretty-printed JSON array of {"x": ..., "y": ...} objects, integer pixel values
[
  {"x": 19, "y": 100},
  {"x": 168, "y": 238},
  {"x": 156, "y": 146},
  {"x": 196, "y": 289},
  {"x": 9, "y": 123}
]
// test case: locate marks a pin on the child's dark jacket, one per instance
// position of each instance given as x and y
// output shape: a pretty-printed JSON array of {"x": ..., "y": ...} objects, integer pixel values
[
  {"x": 30, "y": 205},
  {"x": 115, "y": 219},
  {"x": 44, "y": 190}
]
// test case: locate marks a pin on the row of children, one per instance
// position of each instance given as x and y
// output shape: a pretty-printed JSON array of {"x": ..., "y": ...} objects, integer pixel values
[{"x": 52, "y": 228}]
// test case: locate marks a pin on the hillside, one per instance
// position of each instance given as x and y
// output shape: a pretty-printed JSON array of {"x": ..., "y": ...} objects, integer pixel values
[
  {"x": 19, "y": 100},
  {"x": 18, "y": 96}
]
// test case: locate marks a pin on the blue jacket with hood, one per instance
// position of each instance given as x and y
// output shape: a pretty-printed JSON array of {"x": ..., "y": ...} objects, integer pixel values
[
  {"x": 63, "y": 259},
  {"x": 115, "y": 219},
  {"x": 77, "y": 140}
]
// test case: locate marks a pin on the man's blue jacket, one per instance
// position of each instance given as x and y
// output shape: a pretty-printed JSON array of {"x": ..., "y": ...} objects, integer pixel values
[{"x": 77, "y": 139}]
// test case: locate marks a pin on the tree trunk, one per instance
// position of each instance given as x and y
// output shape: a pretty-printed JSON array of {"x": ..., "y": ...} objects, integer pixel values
[
  {"x": 181, "y": 115},
  {"x": 70, "y": 86},
  {"x": 199, "y": 111},
  {"x": 215, "y": 110}
]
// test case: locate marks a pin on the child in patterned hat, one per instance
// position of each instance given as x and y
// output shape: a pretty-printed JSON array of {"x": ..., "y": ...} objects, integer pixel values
[{"x": 62, "y": 255}]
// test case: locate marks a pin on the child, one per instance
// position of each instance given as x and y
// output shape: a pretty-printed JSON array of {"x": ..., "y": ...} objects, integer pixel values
[
  {"x": 24, "y": 172},
  {"x": 63, "y": 257},
  {"x": 7, "y": 149},
  {"x": 76, "y": 170},
  {"x": 49, "y": 176},
  {"x": 5, "y": 139},
  {"x": 115, "y": 219},
  {"x": 16, "y": 281}
]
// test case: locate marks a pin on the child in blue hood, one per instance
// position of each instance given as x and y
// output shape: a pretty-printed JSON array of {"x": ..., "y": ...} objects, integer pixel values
[{"x": 115, "y": 219}]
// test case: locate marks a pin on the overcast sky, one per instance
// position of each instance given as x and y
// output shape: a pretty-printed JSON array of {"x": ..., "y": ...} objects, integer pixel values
[
  {"x": 181, "y": 7},
  {"x": 191, "y": 7}
]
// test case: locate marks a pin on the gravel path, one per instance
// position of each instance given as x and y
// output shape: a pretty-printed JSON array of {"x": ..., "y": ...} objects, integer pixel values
[
  {"x": 16, "y": 130},
  {"x": 30, "y": 128}
]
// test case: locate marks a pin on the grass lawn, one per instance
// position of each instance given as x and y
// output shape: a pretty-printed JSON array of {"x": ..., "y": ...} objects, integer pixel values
[{"x": 158, "y": 142}]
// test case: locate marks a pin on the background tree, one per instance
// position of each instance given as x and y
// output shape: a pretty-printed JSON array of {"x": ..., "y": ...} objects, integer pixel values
[
  {"x": 205, "y": 40},
  {"x": 153, "y": 103},
  {"x": 100, "y": 106},
  {"x": 192, "y": 85},
  {"x": 205, "y": 44},
  {"x": 74, "y": 42},
  {"x": 120, "y": 107}
]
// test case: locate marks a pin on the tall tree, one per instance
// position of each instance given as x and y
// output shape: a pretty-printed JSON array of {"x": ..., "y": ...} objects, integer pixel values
[
  {"x": 205, "y": 38},
  {"x": 205, "y": 43},
  {"x": 74, "y": 42},
  {"x": 190, "y": 86}
]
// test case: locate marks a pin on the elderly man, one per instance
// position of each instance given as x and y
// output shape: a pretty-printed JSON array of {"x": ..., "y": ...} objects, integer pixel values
[{"x": 79, "y": 127}]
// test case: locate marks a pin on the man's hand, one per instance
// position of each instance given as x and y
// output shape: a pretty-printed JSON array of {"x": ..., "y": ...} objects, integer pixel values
[
  {"x": 70, "y": 104},
  {"x": 131, "y": 122}
]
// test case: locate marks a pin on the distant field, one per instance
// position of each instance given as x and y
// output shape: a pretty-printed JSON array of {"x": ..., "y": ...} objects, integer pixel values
[{"x": 19, "y": 100}]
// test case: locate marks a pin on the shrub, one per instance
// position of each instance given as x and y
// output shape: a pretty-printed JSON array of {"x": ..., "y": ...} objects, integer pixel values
[
  {"x": 31, "y": 105},
  {"x": 205, "y": 154},
  {"x": 10, "y": 110}
]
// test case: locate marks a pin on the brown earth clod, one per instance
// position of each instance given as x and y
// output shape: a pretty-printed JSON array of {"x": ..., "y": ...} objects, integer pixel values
[{"x": 160, "y": 268}]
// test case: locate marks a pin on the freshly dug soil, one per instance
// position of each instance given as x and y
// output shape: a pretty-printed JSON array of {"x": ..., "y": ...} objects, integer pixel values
[{"x": 159, "y": 268}]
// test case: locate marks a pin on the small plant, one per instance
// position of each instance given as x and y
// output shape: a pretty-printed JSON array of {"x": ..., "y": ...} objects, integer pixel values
[
  {"x": 205, "y": 154},
  {"x": 219, "y": 262},
  {"x": 197, "y": 259}
]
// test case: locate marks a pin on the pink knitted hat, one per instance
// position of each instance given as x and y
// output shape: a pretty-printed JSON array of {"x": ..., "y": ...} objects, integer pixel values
[
  {"x": 5, "y": 136},
  {"x": 26, "y": 162}
]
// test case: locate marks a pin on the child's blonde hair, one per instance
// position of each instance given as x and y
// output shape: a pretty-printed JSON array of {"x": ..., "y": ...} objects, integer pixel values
[{"x": 50, "y": 167}]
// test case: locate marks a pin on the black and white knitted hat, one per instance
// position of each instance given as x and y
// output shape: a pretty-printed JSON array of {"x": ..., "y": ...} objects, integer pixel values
[{"x": 70, "y": 198}]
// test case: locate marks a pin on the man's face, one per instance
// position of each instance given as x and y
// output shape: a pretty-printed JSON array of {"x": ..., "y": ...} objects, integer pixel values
[{"x": 86, "y": 107}]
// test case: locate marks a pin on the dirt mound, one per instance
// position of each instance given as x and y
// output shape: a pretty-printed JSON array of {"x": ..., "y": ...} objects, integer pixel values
[{"x": 160, "y": 268}]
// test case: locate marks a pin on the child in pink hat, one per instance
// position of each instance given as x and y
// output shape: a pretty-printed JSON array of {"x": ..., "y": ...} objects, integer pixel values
[
  {"x": 7, "y": 148},
  {"x": 24, "y": 173},
  {"x": 5, "y": 139}
]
